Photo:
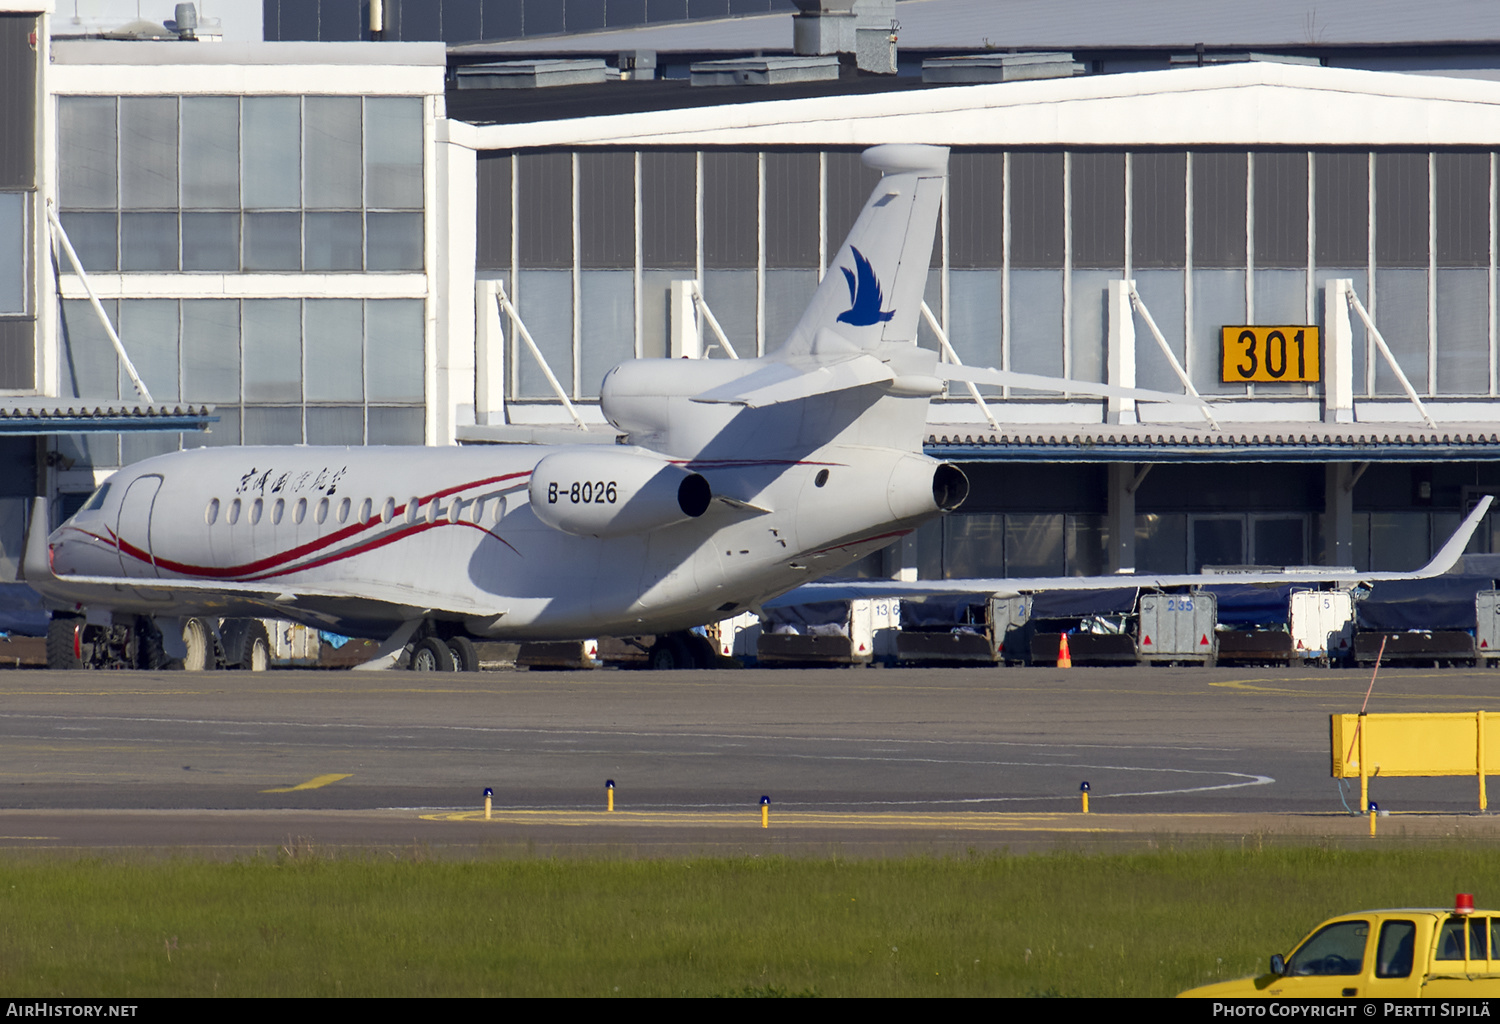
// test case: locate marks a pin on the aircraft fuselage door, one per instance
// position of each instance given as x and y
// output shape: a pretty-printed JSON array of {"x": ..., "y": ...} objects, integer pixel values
[{"x": 133, "y": 528}]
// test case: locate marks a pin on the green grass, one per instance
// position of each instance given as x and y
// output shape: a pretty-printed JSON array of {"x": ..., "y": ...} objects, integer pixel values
[{"x": 1062, "y": 924}]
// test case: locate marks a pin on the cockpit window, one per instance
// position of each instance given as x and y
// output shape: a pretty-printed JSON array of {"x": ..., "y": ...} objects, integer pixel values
[{"x": 97, "y": 501}]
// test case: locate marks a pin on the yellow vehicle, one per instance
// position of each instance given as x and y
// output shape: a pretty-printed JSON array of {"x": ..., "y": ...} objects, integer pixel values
[{"x": 1384, "y": 953}]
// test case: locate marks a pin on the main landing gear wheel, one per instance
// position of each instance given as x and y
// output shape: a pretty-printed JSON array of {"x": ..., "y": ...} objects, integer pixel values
[
  {"x": 201, "y": 646},
  {"x": 465, "y": 656},
  {"x": 246, "y": 645},
  {"x": 674, "y": 651},
  {"x": 432, "y": 655},
  {"x": 65, "y": 643}
]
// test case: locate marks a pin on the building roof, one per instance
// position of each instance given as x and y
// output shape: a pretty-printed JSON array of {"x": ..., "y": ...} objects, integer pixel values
[
  {"x": 524, "y": 106},
  {"x": 1230, "y": 104},
  {"x": 970, "y": 25},
  {"x": 1257, "y": 442},
  {"x": 153, "y": 53}
]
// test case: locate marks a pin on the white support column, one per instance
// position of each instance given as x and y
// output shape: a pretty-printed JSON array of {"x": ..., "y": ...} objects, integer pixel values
[
  {"x": 1122, "y": 483},
  {"x": 1121, "y": 349},
  {"x": 489, "y": 354},
  {"x": 456, "y": 335},
  {"x": 687, "y": 339},
  {"x": 1338, "y": 355},
  {"x": 1338, "y": 513}
]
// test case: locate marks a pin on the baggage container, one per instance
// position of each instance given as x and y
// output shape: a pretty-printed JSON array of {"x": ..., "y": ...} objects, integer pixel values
[
  {"x": 949, "y": 631},
  {"x": 1434, "y": 647},
  {"x": 1487, "y": 626},
  {"x": 1178, "y": 627},
  {"x": 861, "y": 632},
  {"x": 1322, "y": 625}
]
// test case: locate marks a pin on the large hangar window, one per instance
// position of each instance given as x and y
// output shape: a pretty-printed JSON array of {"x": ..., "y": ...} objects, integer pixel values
[
  {"x": 280, "y": 371},
  {"x": 1279, "y": 245},
  {"x": 1158, "y": 225},
  {"x": 731, "y": 242},
  {"x": 230, "y": 184},
  {"x": 976, "y": 254},
  {"x": 1401, "y": 265},
  {"x": 17, "y": 201},
  {"x": 1461, "y": 190}
]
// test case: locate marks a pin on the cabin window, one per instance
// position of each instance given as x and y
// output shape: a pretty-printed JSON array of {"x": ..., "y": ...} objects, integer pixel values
[
  {"x": 366, "y": 511},
  {"x": 322, "y": 513},
  {"x": 299, "y": 511},
  {"x": 411, "y": 508},
  {"x": 389, "y": 511},
  {"x": 277, "y": 510},
  {"x": 234, "y": 511},
  {"x": 256, "y": 508},
  {"x": 344, "y": 510},
  {"x": 211, "y": 514},
  {"x": 455, "y": 511}
]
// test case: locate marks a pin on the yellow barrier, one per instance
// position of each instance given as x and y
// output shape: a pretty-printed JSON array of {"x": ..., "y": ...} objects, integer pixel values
[{"x": 1430, "y": 744}]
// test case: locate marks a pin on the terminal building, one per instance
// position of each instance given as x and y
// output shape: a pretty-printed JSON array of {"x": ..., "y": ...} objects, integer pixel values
[{"x": 308, "y": 230}]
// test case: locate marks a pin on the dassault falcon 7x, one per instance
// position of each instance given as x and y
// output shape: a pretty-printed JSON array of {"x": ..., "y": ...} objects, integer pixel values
[{"x": 733, "y": 481}]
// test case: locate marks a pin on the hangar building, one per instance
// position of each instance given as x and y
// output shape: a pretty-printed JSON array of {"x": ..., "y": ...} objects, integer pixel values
[{"x": 315, "y": 239}]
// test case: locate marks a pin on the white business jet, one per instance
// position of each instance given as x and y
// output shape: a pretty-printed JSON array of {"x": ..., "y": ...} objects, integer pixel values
[{"x": 734, "y": 480}]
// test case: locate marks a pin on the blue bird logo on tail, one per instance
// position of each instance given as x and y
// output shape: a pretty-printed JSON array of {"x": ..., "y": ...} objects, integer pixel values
[{"x": 865, "y": 297}]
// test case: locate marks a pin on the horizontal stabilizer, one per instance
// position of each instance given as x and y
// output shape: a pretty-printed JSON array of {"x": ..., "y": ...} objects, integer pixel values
[
  {"x": 1009, "y": 378},
  {"x": 793, "y": 379}
]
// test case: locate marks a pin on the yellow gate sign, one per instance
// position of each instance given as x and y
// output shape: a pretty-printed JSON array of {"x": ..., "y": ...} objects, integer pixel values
[
  {"x": 1425, "y": 744},
  {"x": 1270, "y": 355}
]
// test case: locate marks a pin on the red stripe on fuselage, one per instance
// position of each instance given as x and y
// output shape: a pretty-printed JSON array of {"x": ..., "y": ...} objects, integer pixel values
[{"x": 263, "y": 568}]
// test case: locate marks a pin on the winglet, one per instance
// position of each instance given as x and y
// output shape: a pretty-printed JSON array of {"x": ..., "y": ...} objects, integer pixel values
[
  {"x": 35, "y": 565},
  {"x": 1448, "y": 555}
]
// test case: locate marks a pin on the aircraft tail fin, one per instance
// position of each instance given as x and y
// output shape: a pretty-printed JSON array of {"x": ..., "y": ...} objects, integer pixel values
[{"x": 873, "y": 290}]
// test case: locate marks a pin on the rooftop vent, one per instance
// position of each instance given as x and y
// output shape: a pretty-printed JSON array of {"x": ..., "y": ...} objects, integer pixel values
[
  {"x": 637, "y": 65},
  {"x": 1201, "y": 59},
  {"x": 1000, "y": 67},
  {"x": 533, "y": 74},
  {"x": 823, "y": 26},
  {"x": 765, "y": 70}
]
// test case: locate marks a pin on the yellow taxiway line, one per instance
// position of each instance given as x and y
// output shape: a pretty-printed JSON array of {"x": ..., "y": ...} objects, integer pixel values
[{"x": 317, "y": 783}]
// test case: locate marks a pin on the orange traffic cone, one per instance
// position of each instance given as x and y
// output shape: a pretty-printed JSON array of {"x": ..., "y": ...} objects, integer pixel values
[{"x": 1064, "y": 656}]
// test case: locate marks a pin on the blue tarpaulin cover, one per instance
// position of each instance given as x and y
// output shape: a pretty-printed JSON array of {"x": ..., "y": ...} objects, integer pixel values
[
  {"x": 1443, "y": 602},
  {"x": 1249, "y": 604},
  {"x": 1069, "y": 604},
  {"x": 944, "y": 610},
  {"x": 21, "y": 611}
]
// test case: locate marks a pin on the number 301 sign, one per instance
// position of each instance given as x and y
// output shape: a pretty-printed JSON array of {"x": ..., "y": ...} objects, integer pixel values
[{"x": 1270, "y": 355}]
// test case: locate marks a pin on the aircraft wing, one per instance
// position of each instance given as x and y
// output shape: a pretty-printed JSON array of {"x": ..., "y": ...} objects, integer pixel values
[{"x": 848, "y": 590}]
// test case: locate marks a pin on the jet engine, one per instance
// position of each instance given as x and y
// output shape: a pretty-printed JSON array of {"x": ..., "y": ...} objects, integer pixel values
[{"x": 609, "y": 492}]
